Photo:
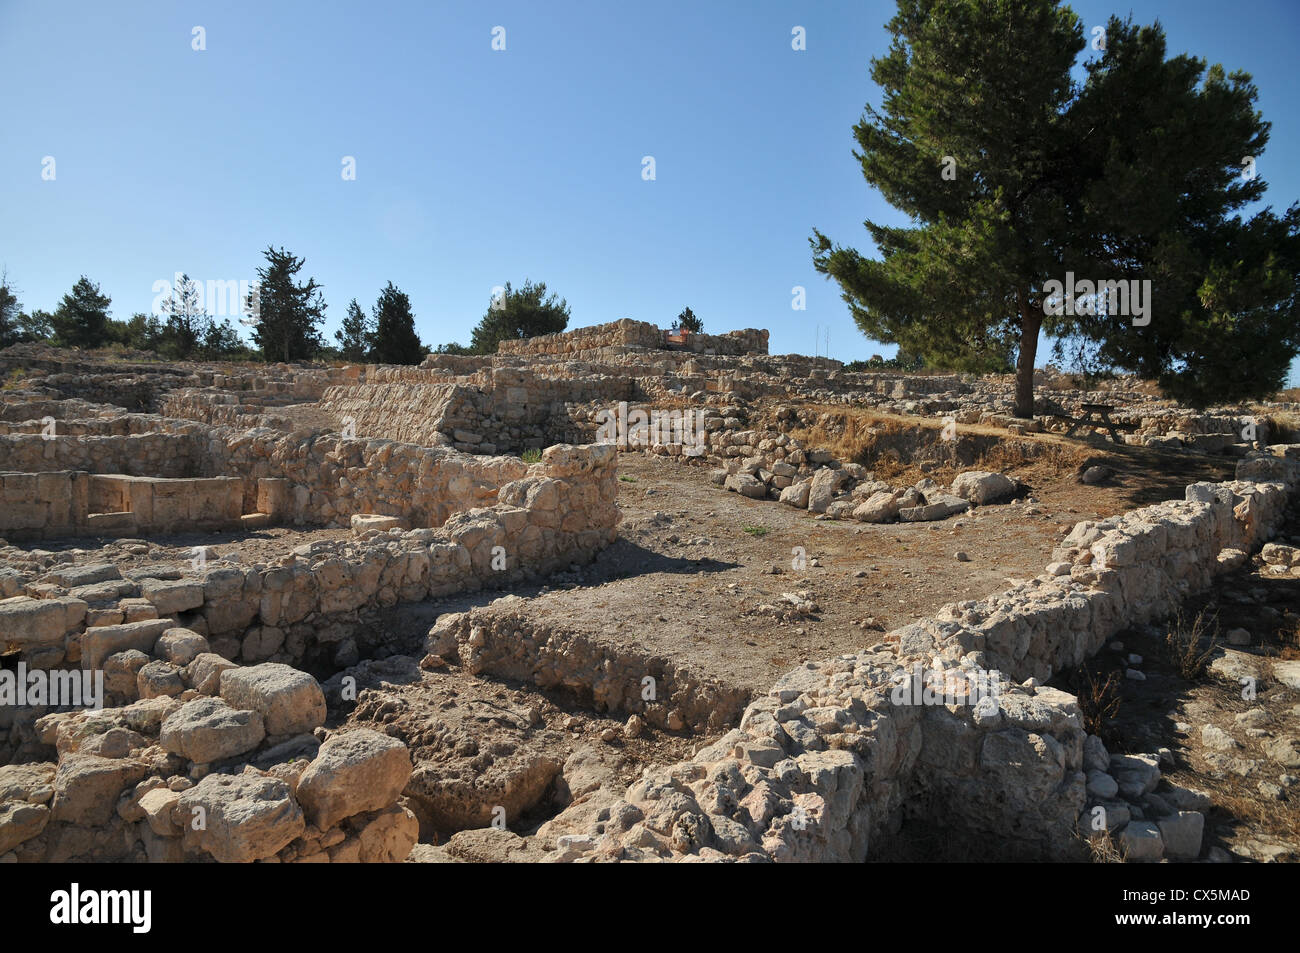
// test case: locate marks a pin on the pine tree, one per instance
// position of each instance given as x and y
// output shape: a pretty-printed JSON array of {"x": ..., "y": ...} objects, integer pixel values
[
  {"x": 1013, "y": 174},
  {"x": 356, "y": 336},
  {"x": 10, "y": 308},
  {"x": 187, "y": 321},
  {"x": 81, "y": 319},
  {"x": 287, "y": 314},
  {"x": 525, "y": 313},
  {"x": 395, "y": 340},
  {"x": 687, "y": 321}
]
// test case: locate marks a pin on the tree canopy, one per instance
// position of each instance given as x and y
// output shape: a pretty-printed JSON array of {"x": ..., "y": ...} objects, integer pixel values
[
  {"x": 523, "y": 313},
  {"x": 1013, "y": 176},
  {"x": 689, "y": 322},
  {"x": 395, "y": 339},
  {"x": 81, "y": 319},
  {"x": 287, "y": 313}
]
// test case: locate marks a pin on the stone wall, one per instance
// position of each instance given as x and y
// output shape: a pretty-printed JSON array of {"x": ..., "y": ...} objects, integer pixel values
[
  {"x": 622, "y": 333},
  {"x": 147, "y": 454},
  {"x": 627, "y": 333},
  {"x": 75, "y": 503},
  {"x": 214, "y": 762},
  {"x": 748, "y": 341},
  {"x": 554, "y": 513},
  {"x": 495, "y": 410},
  {"x": 840, "y": 754}
]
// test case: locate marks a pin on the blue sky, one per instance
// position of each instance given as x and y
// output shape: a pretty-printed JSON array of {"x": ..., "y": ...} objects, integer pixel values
[{"x": 475, "y": 166}]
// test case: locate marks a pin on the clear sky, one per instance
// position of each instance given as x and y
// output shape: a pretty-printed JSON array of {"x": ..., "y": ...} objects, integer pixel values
[{"x": 476, "y": 166}]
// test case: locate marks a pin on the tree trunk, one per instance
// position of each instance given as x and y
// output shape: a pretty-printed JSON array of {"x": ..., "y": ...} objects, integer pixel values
[{"x": 1030, "y": 322}]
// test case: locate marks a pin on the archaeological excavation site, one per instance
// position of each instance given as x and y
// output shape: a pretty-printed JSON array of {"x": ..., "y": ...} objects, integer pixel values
[{"x": 619, "y": 595}]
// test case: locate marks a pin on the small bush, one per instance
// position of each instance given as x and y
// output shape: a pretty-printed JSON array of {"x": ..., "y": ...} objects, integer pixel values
[
  {"x": 1184, "y": 643},
  {"x": 531, "y": 456},
  {"x": 1099, "y": 700}
]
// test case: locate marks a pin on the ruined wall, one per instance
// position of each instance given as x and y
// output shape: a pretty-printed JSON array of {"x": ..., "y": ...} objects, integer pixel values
[
  {"x": 331, "y": 478},
  {"x": 554, "y": 513},
  {"x": 147, "y": 454},
  {"x": 76, "y": 503},
  {"x": 621, "y": 333},
  {"x": 496, "y": 410},
  {"x": 836, "y": 757},
  {"x": 748, "y": 341}
]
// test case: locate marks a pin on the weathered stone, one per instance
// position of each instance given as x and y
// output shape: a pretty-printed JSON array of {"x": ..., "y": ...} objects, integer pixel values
[
  {"x": 180, "y": 646},
  {"x": 172, "y": 596},
  {"x": 354, "y": 772},
  {"x": 99, "y": 643},
  {"x": 20, "y": 821},
  {"x": 207, "y": 729},
  {"x": 86, "y": 787},
  {"x": 1181, "y": 834},
  {"x": 246, "y": 817},
  {"x": 982, "y": 487},
  {"x": 291, "y": 702}
]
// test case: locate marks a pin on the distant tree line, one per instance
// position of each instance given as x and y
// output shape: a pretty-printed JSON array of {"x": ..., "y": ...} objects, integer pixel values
[{"x": 284, "y": 314}]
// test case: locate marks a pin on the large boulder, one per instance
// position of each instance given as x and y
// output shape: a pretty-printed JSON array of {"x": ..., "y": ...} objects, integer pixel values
[
  {"x": 180, "y": 646},
  {"x": 796, "y": 494},
  {"x": 291, "y": 702},
  {"x": 25, "y": 622},
  {"x": 881, "y": 507},
  {"x": 825, "y": 484},
  {"x": 207, "y": 729},
  {"x": 172, "y": 596},
  {"x": 981, "y": 487},
  {"x": 353, "y": 772},
  {"x": 20, "y": 821},
  {"x": 746, "y": 485},
  {"x": 239, "y": 818},
  {"x": 86, "y": 787}
]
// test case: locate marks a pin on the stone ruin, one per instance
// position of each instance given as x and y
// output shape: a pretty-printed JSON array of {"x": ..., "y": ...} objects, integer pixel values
[{"x": 494, "y": 473}]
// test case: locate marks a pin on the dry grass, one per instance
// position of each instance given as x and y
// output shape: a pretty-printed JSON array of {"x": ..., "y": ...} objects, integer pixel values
[
  {"x": 1103, "y": 849},
  {"x": 1050, "y": 457},
  {"x": 15, "y": 380},
  {"x": 1099, "y": 701},
  {"x": 1284, "y": 426},
  {"x": 1184, "y": 643},
  {"x": 895, "y": 447}
]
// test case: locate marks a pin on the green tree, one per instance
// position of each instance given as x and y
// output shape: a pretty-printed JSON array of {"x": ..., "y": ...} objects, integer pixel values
[
  {"x": 187, "y": 320},
  {"x": 1012, "y": 174},
  {"x": 37, "y": 326},
  {"x": 356, "y": 336},
  {"x": 514, "y": 315},
  {"x": 10, "y": 309},
  {"x": 221, "y": 342},
  {"x": 452, "y": 348},
  {"x": 81, "y": 319},
  {"x": 143, "y": 332},
  {"x": 287, "y": 314},
  {"x": 395, "y": 339},
  {"x": 689, "y": 322}
]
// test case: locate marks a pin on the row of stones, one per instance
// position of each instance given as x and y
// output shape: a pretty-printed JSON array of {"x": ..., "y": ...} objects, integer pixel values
[
  {"x": 829, "y": 759},
  {"x": 537, "y": 524}
]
